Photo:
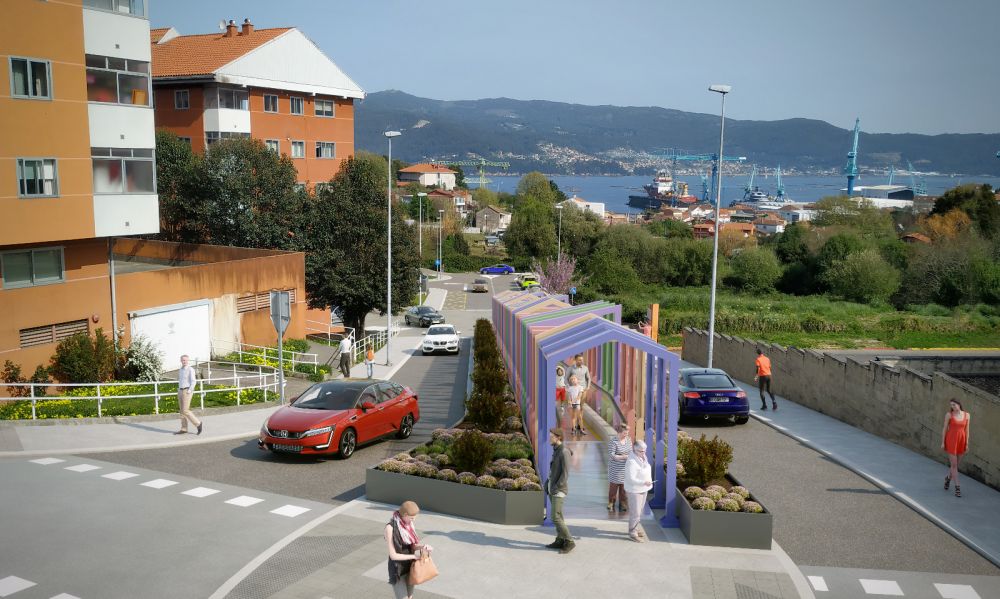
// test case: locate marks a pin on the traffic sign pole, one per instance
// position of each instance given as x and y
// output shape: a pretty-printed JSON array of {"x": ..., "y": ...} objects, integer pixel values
[{"x": 281, "y": 315}]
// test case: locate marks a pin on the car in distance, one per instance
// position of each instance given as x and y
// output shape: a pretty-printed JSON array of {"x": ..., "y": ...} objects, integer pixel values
[
  {"x": 497, "y": 269},
  {"x": 528, "y": 280},
  {"x": 335, "y": 417},
  {"x": 441, "y": 337},
  {"x": 423, "y": 316},
  {"x": 480, "y": 286},
  {"x": 711, "y": 393}
]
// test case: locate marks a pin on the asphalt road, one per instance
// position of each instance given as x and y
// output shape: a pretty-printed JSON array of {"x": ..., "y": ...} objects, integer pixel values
[{"x": 828, "y": 516}]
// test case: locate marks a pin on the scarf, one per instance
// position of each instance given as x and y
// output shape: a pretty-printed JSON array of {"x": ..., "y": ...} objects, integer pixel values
[{"x": 406, "y": 532}]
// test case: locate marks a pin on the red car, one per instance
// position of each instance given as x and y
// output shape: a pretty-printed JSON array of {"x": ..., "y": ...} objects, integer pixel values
[{"x": 337, "y": 416}]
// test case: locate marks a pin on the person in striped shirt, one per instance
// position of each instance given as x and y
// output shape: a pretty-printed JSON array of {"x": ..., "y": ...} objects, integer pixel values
[{"x": 618, "y": 450}]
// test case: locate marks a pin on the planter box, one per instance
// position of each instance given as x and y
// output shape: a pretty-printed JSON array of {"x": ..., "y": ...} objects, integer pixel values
[
  {"x": 725, "y": 529},
  {"x": 456, "y": 499}
]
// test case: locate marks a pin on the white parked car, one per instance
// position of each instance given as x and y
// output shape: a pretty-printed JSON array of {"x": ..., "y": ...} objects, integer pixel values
[{"x": 441, "y": 337}]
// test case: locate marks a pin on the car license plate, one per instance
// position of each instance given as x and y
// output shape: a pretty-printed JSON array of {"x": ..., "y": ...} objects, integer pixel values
[
  {"x": 718, "y": 400},
  {"x": 288, "y": 448}
]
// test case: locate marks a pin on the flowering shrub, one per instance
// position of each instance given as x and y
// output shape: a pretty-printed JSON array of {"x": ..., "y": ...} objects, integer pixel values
[
  {"x": 735, "y": 497},
  {"x": 681, "y": 472},
  {"x": 752, "y": 507},
  {"x": 506, "y": 484},
  {"x": 392, "y": 465},
  {"x": 520, "y": 482},
  {"x": 487, "y": 481},
  {"x": 533, "y": 486},
  {"x": 693, "y": 493},
  {"x": 410, "y": 469},
  {"x": 448, "y": 474},
  {"x": 442, "y": 459},
  {"x": 467, "y": 478},
  {"x": 703, "y": 503},
  {"x": 525, "y": 463},
  {"x": 727, "y": 505},
  {"x": 741, "y": 491},
  {"x": 716, "y": 488},
  {"x": 425, "y": 470},
  {"x": 713, "y": 494}
]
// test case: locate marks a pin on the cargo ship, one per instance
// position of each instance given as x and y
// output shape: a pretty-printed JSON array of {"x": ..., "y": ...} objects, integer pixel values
[{"x": 662, "y": 190}]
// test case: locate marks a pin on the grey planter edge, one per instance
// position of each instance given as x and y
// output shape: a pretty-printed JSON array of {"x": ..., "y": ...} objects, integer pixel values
[
  {"x": 456, "y": 499},
  {"x": 725, "y": 529}
]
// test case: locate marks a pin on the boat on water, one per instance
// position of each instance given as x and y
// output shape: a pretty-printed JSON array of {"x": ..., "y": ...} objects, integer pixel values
[{"x": 662, "y": 190}]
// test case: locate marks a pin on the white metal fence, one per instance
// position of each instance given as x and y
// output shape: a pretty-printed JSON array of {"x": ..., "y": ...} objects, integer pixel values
[
  {"x": 227, "y": 376},
  {"x": 222, "y": 347}
]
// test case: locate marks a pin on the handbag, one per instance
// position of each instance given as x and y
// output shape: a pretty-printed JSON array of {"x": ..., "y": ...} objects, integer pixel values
[{"x": 422, "y": 570}]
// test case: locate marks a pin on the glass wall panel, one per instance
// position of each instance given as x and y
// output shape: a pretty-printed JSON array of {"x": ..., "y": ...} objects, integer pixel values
[{"x": 139, "y": 176}]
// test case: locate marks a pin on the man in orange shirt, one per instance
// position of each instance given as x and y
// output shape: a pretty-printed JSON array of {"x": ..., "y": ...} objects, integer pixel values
[{"x": 763, "y": 379}]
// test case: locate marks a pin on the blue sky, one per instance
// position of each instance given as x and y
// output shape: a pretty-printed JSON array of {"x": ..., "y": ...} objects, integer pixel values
[{"x": 921, "y": 66}]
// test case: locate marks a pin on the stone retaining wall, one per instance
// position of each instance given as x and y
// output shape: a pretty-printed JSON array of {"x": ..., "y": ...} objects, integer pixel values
[{"x": 899, "y": 404}]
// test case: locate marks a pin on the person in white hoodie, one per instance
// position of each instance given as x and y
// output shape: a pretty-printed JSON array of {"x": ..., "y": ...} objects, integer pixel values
[{"x": 638, "y": 482}]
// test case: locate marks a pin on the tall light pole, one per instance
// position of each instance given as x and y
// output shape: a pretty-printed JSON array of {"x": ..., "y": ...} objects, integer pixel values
[
  {"x": 723, "y": 90},
  {"x": 420, "y": 242},
  {"x": 559, "y": 207},
  {"x": 440, "y": 242},
  {"x": 388, "y": 270}
]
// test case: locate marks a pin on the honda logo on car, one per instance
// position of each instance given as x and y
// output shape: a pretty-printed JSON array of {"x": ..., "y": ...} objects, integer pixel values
[{"x": 283, "y": 434}]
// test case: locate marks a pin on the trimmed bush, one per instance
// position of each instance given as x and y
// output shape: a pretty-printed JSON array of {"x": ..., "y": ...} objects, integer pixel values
[
  {"x": 692, "y": 493},
  {"x": 703, "y": 503},
  {"x": 714, "y": 494},
  {"x": 706, "y": 460},
  {"x": 727, "y": 505},
  {"x": 741, "y": 491},
  {"x": 716, "y": 489},
  {"x": 467, "y": 478},
  {"x": 486, "y": 481},
  {"x": 506, "y": 484},
  {"x": 735, "y": 497},
  {"x": 521, "y": 481},
  {"x": 472, "y": 452},
  {"x": 448, "y": 474},
  {"x": 752, "y": 507},
  {"x": 82, "y": 359},
  {"x": 532, "y": 486}
]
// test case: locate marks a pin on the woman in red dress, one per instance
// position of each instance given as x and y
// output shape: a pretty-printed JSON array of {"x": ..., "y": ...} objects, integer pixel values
[{"x": 955, "y": 440}]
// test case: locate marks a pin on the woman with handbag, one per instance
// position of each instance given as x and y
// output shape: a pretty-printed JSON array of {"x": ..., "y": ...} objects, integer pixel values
[{"x": 406, "y": 552}]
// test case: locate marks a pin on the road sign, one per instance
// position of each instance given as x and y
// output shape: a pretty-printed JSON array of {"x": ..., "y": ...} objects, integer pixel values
[
  {"x": 572, "y": 290},
  {"x": 281, "y": 311}
]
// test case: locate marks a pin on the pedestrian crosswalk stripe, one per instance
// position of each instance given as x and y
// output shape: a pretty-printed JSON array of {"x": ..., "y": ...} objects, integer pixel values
[
  {"x": 47, "y": 461},
  {"x": 83, "y": 468},
  {"x": 956, "y": 591},
  {"x": 159, "y": 483},
  {"x": 818, "y": 583},
  {"x": 120, "y": 475},
  {"x": 290, "y": 510},
  {"x": 200, "y": 492},
  {"x": 65, "y": 596},
  {"x": 881, "y": 587},
  {"x": 13, "y": 584},
  {"x": 244, "y": 501}
]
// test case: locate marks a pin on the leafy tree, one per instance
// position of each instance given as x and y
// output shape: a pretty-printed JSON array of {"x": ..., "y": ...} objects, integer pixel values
[
  {"x": 800, "y": 278},
  {"x": 733, "y": 241},
  {"x": 347, "y": 264},
  {"x": 838, "y": 248},
  {"x": 84, "y": 359},
  {"x": 531, "y": 233},
  {"x": 556, "y": 276},
  {"x": 460, "y": 244},
  {"x": 790, "y": 245},
  {"x": 670, "y": 228},
  {"x": 945, "y": 226},
  {"x": 581, "y": 230},
  {"x": 484, "y": 197},
  {"x": 948, "y": 272},
  {"x": 536, "y": 185},
  {"x": 610, "y": 273},
  {"x": 418, "y": 203},
  {"x": 978, "y": 202},
  {"x": 559, "y": 195},
  {"x": 177, "y": 173},
  {"x": 459, "y": 176},
  {"x": 869, "y": 221},
  {"x": 864, "y": 277},
  {"x": 754, "y": 270},
  {"x": 683, "y": 262}
]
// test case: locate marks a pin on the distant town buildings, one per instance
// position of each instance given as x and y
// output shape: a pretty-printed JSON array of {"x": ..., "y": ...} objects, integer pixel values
[
  {"x": 582, "y": 204},
  {"x": 273, "y": 84},
  {"x": 491, "y": 219},
  {"x": 460, "y": 200},
  {"x": 428, "y": 175}
]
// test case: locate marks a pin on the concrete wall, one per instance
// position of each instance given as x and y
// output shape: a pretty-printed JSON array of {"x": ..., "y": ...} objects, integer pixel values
[
  {"x": 948, "y": 364},
  {"x": 899, "y": 404}
]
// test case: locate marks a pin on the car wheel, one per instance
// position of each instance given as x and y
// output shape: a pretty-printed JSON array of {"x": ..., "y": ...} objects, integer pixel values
[
  {"x": 348, "y": 443},
  {"x": 741, "y": 419},
  {"x": 405, "y": 427}
]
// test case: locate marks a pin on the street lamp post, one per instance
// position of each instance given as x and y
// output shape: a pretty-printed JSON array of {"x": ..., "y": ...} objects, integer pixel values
[
  {"x": 388, "y": 270},
  {"x": 723, "y": 90},
  {"x": 420, "y": 238},
  {"x": 559, "y": 236},
  {"x": 440, "y": 242}
]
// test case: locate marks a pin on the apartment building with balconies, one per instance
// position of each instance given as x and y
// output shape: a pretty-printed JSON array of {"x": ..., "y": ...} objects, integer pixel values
[{"x": 272, "y": 84}]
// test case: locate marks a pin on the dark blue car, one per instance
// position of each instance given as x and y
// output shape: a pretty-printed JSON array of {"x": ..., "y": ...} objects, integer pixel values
[
  {"x": 497, "y": 269},
  {"x": 711, "y": 393}
]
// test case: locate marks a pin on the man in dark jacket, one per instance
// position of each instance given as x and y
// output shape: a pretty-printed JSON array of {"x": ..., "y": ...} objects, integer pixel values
[{"x": 558, "y": 486}]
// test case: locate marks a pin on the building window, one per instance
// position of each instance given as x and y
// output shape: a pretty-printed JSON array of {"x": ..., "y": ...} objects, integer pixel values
[
  {"x": 270, "y": 103},
  {"x": 326, "y": 149},
  {"x": 30, "y": 78},
  {"x": 274, "y": 145},
  {"x": 52, "y": 333},
  {"x": 123, "y": 170},
  {"x": 136, "y": 8},
  {"x": 234, "y": 99},
  {"x": 182, "y": 99},
  {"x": 213, "y": 136},
  {"x": 117, "y": 80},
  {"x": 295, "y": 105},
  {"x": 324, "y": 108},
  {"x": 37, "y": 177},
  {"x": 298, "y": 149},
  {"x": 24, "y": 268}
]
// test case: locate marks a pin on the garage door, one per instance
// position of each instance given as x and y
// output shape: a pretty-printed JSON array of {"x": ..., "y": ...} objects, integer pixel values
[{"x": 176, "y": 330}]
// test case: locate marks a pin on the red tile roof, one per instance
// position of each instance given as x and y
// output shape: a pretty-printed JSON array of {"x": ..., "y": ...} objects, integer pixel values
[
  {"x": 189, "y": 55},
  {"x": 426, "y": 168},
  {"x": 157, "y": 34}
]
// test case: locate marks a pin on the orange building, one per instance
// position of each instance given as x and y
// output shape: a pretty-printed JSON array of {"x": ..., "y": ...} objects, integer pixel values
[
  {"x": 77, "y": 172},
  {"x": 272, "y": 84}
]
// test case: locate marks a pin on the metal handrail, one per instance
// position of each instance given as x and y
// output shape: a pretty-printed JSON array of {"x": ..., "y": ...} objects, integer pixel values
[
  {"x": 294, "y": 357},
  {"x": 237, "y": 372}
]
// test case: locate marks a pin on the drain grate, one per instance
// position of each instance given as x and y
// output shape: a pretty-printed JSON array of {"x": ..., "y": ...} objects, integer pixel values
[
  {"x": 299, "y": 559},
  {"x": 724, "y": 583}
]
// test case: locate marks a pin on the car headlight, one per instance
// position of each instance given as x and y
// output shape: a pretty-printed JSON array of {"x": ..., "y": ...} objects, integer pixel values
[{"x": 318, "y": 431}]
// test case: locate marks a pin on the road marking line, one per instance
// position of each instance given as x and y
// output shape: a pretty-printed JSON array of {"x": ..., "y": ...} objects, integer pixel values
[
  {"x": 120, "y": 475},
  {"x": 290, "y": 510},
  {"x": 881, "y": 587},
  {"x": 13, "y": 584},
  {"x": 244, "y": 501},
  {"x": 46, "y": 461},
  {"x": 65, "y": 596},
  {"x": 200, "y": 492},
  {"x": 83, "y": 468},
  {"x": 956, "y": 591},
  {"x": 159, "y": 483},
  {"x": 818, "y": 583}
]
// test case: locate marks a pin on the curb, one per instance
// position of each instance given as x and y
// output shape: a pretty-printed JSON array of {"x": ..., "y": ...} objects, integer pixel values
[
  {"x": 82, "y": 450},
  {"x": 137, "y": 418},
  {"x": 901, "y": 497}
]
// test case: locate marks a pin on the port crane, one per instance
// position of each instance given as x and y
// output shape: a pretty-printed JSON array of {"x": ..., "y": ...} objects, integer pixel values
[
  {"x": 918, "y": 189},
  {"x": 479, "y": 163},
  {"x": 749, "y": 186},
  {"x": 780, "y": 189},
  {"x": 851, "y": 170},
  {"x": 892, "y": 173},
  {"x": 674, "y": 156}
]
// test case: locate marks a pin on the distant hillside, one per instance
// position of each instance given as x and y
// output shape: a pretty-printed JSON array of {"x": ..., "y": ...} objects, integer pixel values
[{"x": 555, "y": 137}]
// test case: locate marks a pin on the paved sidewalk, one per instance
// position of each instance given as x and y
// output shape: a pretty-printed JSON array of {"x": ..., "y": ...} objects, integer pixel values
[
  {"x": 915, "y": 480},
  {"x": 70, "y": 436}
]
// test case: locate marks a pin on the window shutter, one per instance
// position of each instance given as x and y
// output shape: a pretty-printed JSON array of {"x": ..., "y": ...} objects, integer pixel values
[{"x": 52, "y": 333}]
